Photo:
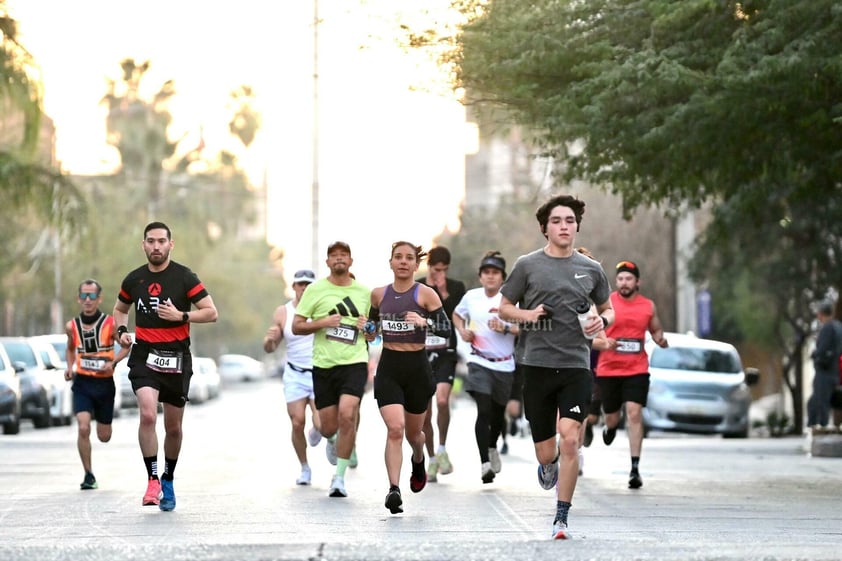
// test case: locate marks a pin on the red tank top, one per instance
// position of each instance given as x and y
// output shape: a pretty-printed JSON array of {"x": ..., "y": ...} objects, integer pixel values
[{"x": 631, "y": 322}]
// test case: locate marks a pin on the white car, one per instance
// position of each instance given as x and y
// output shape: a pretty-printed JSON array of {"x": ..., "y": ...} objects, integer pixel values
[
  {"x": 698, "y": 386},
  {"x": 240, "y": 368},
  {"x": 50, "y": 351},
  {"x": 205, "y": 369}
]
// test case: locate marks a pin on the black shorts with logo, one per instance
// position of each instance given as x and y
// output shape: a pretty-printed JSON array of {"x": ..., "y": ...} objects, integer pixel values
[
  {"x": 616, "y": 390},
  {"x": 550, "y": 393},
  {"x": 330, "y": 383},
  {"x": 443, "y": 364},
  {"x": 404, "y": 378},
  {"x": 95, "y": 396},
  {"x": 172, "y": 387}
]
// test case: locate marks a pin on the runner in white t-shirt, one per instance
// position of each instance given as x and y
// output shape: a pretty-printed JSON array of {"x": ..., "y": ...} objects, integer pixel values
[{"x": 491, "y": 364}]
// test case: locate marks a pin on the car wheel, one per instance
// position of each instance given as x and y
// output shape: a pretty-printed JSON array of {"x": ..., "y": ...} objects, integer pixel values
[
  {"x": 42, "y": 421},
  {"x": 12, "y": 427},
  {"x": 738, "y": 434}
]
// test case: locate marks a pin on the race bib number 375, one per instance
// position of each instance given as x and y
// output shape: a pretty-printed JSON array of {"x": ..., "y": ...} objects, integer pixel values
[{"x": 342, "y": 334}]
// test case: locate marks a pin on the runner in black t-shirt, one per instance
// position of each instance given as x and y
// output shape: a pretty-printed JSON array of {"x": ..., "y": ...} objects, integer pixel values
[{"x": 162, "y": 292}]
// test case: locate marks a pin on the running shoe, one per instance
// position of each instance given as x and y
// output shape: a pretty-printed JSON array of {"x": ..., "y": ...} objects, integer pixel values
[
  {"x": 445, "y": 466},
  {"x": 89, "y": 482},
  {"x": 304, "y": 478},
  {"x": 153, "y": 493},
  {"x": 608, "y": 435},
  {"x": 330, "y": 450},
  {"x": 560, "y": 531},
  {"x": 167, "y": 495},
  {"x": 418, "y": 479},
  {"x": 487, "y": 472},
  {"x": 432, "y": 470},
  {"x": 588, "y": 435},
  {"x": 635, "y": 481},
  {"x": 352, "y": 461},
  {"x": 394, "y": 500},
  {"x": 548, "y": 475},
  {"x": 494, "y": 458},
  {"x": 314, "y": 437},
  {"x": 504, "y": 449},
  {"x": 337, "y": 487}
]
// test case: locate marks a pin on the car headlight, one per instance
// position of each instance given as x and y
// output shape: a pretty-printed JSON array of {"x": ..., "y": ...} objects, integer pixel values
[
  {"x": 657, "y": 388},
  {"x": 740, "y": 393}
]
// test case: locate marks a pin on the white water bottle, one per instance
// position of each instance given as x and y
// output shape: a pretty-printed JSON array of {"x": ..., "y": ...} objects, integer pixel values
[{"x": 583, "y": 309}]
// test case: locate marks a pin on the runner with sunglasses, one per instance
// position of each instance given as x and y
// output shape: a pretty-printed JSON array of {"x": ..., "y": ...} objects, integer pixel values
[{"x": 90, "y": 364}]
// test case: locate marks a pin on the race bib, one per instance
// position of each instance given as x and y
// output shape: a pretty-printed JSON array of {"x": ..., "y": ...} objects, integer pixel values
[
  {"x": 343, "y": 334},
  {"x": 95, "y": 364},
  {"x": 435, "y": 342},
  {"x": 166, "y": 362},
  {"x": 629, "y": 345},
  {"x": 395, "y": 326}
]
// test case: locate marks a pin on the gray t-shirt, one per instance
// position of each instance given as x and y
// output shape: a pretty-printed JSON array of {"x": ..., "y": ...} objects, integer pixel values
[{"x": 561, "y": 283}]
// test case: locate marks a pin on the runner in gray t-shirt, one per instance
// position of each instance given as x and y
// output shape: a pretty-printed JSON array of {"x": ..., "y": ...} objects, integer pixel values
[{"x": 542, "y": 294}]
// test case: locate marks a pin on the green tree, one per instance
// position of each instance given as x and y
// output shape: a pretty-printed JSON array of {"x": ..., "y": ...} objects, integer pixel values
[{"x": 682, "y": 103}]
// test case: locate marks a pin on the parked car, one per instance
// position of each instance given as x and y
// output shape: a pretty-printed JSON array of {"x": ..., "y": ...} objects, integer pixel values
[
  {"x": 10, "y": 404},
  {"x": 35, "y": 384},
  {"x": 240, "y": 368},
  {"x": 698, "y": 386},
  {"x": 60, "y": 393},
  {"x": 205, "y": 368},
  {"x": 124, "y": 386}
]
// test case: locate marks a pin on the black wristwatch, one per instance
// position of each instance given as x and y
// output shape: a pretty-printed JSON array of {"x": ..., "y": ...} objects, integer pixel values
[
  {"x": 604, "y": 322},
  {"x": 184, "y": 317},
  {"x": 430, "y": 323}
]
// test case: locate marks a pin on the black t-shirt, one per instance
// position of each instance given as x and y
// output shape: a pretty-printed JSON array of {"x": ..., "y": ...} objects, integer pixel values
[
  {"x": 146, "y": 289},
  {"x": 455, "y": 292}
]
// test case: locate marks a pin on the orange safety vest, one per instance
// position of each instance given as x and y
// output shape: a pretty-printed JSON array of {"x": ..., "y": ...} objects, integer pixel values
[{"x": 94, "y": 347}]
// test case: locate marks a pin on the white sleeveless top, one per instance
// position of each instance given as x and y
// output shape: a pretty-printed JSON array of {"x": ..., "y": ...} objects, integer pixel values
[{"x": 299, "y": 347}]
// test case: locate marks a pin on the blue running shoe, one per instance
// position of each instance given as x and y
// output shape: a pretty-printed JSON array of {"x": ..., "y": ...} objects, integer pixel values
[
  {"x": 167, "y": 495},
  {"x": 548, "y": 475}
]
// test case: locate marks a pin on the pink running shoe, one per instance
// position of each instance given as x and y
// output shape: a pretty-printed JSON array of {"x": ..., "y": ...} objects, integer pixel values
[{"x": 153, "y": 493}]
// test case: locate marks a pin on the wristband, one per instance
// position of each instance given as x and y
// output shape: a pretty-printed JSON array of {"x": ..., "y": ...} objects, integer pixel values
[
  {"x": 506, "y": 330},
  {"x": 121, "y": 330},
  {"x": 184, "y": 317},
  {"x": 604, "y": 322}
]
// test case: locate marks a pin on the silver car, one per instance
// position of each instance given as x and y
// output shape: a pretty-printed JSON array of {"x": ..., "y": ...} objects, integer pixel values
[{"x": 698, "y": 386}]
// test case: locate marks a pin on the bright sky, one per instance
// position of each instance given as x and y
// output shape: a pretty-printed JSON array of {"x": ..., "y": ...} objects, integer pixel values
[{"x": 391, "y": 160}]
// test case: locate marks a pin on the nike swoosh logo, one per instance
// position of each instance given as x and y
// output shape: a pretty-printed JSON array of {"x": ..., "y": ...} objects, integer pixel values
[
  {"x": 397, "y": 297},
  {"x": 578, "y": 276}
]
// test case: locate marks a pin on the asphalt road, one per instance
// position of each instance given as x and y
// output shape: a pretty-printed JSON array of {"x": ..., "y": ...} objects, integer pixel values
[{"x": 703, "y": 497}]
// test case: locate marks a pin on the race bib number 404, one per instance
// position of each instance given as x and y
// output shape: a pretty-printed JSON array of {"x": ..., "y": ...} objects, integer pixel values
[
  {"x": 166, "y": 362},
  {"x": 343, "y": 334}
]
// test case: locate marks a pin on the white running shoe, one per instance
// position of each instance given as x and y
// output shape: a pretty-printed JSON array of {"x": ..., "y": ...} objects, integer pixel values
[
  {"x": 314, "y": 437},
  {"x": 337, "y": 487},
  {"x": 487, "y": 472},
  {"x": 330, "y": 450},
  {"x": 494, "y": 458},
  {"x": 304, "y": 478},
  {"x": 560, "y": 531}
]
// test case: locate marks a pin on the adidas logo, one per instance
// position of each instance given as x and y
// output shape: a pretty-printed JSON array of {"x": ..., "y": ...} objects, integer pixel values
[{"x": 575, "y": 409}]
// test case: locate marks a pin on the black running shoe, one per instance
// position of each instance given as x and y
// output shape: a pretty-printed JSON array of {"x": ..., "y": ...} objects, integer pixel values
[
  {"x": 608, "y": 435},
  {"x": 635, "y": 481},
  {"x": 89, "y": 482},
  {"x": 418, "y": 479},
  {"x": 588, "y": 435},
  {"x": 394, "y": 500}
]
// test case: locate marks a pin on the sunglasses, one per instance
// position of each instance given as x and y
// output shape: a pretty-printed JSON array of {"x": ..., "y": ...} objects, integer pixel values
[
  {"x": 88, "y": 296},
  {"x": 628, "y": 264}
]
